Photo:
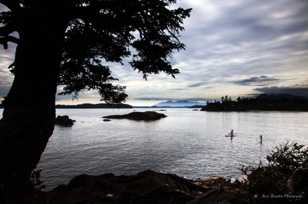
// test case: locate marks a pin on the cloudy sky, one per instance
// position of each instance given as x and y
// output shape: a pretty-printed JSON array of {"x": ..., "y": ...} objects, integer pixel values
[{"x": 234, "y": 47}]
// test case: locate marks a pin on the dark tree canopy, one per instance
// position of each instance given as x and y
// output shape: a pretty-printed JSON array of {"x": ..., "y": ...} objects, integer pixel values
[{"x": 143, "y": 32}]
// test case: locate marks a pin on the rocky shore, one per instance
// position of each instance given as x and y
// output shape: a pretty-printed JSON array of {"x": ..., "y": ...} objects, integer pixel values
[
  {"x": 151, "y": 187},
  {"x": 147, "y": 187},
  {"x": 283, "y": 180}
]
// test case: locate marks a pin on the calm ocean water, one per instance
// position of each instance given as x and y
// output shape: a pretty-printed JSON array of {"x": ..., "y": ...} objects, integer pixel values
[{"x": 188, "y": 143}]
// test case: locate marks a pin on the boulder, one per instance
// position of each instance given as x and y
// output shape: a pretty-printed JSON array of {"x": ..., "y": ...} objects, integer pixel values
[
  {"x": 64, "y": 121},
  {"x": 147, "y": 187},
  {"x": 138, "y": 116}
]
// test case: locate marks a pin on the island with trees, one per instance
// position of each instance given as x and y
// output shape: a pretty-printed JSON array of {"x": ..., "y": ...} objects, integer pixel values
[{"x": 263, "y": 102}]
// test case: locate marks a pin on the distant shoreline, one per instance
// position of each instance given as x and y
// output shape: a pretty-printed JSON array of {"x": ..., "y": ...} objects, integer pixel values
[
  {"x": 94, "y": 106},
  {"x": 279, "y": 102}
]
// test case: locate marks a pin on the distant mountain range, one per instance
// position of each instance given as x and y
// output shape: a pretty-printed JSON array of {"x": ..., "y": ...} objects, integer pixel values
[{"x": 180, "y": 104}]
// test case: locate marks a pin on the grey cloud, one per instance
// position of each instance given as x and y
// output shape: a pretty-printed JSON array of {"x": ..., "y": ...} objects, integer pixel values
[
  {"x": 203, "y": 84},
  {"x": 169, "y": 98},
  {"x": 296, "y": 90},
  {"x": 245, "y": 40},
  {"x": 229, "y": 40},
  {"x": 199, "y": 84},
  {"x": 257, "y": 81},
  {"x": 247, "y": 22},
  {"x": 253, "y": 20},
  {"x": 153, "y": 98}
]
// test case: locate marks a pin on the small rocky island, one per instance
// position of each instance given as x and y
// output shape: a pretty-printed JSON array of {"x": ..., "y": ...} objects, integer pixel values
[
  {"x": 139, "y": 116},
  {"x": 64, "y": 121}
]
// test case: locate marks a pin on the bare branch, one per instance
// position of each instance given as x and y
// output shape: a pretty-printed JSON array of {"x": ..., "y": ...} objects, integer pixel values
[
  {"x": 6, "y": 30},
  {"x": 5, "y": 40}
]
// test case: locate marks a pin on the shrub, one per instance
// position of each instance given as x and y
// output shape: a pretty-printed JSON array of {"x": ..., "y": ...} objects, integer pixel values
[{"x": 272, "y": 178}]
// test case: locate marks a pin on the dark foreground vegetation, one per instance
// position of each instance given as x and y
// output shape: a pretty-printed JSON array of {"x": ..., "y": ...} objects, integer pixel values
[
  {"x": 139, "y": 116},
  {"x": 282, "y": 179},
  {"x": 280, "y": 102}
]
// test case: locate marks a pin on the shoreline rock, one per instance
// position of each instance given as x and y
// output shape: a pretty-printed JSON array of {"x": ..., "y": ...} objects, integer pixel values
[
  {"x": 147, "y": 187},
  {"x": 64, "y": 121}
]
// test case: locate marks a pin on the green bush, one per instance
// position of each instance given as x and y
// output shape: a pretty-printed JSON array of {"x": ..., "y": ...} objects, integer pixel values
[
  {"x": 272, "y": 178},
  {"x": 288, "y": 157}
]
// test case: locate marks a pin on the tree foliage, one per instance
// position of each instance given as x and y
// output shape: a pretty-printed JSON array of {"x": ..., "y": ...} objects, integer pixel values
[{"x": 99, "y": 32}]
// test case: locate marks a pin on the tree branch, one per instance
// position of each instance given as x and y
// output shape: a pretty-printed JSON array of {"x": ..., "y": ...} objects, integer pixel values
[
  {"x": 80, "y": 12},
  {"x": 6, "y": 30},
  {"x": 6, "y": 39}
]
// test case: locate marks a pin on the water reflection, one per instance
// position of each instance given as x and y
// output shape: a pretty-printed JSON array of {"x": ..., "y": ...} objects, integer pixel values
[{"x": 188, "y": 143}]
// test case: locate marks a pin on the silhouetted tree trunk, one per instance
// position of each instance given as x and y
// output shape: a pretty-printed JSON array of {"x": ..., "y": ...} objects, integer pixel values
[{"x": 29, "y": 108}]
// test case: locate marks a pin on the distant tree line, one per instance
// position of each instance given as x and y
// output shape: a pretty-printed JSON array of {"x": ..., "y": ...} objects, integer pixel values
[{"x": 278, "y": 102}]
